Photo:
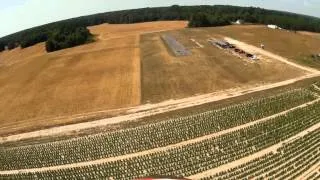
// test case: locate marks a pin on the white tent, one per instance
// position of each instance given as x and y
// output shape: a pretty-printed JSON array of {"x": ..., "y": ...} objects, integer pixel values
[{"x": 271, "y": 26}]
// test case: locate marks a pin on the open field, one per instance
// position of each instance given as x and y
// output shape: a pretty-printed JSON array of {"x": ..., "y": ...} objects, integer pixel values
[
  {"x": 156, "y": 114},
  {"x": 38, "y": 87},
  {"x": 312, "y": 34},
  {"x": 208, "y": 69},
  {"x": 193, "y": 145},
  {"x": 260, "y": 119},
  {"x": 295, "y": 46}
]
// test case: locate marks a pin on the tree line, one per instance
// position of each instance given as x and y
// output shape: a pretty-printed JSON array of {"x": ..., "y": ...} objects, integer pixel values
[
  {"x": 198, "y": 16},
  {"x": 67, "y": 37}
]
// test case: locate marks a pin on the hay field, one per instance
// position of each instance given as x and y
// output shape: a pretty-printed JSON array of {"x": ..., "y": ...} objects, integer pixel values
[
  {"x": 208, "y": 69},
  {"x": 37, "y": 87},
  {"x": 295, "y": 46}
]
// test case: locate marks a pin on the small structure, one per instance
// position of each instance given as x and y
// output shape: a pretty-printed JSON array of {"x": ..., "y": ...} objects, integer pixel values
[
  {"x": 262, "y": 46},
  {"x": 249, "y": 55},
  {"x": 221, "y": 43},
  {"x": 6, "y": 48},
  {"x": 239, "y": 22},
  {"x": 272, "y": 26}
]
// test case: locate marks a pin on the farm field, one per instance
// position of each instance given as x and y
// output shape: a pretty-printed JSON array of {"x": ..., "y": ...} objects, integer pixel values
[
  {"x": 194, "y": 146},
  {"x": 290, "y": 160},
  {"x": 296, "y": 46},
  {"x": 207, "y": 69},
  {"x": 312, "y": 34},
  {"x": 37, "y": 86},
  {"x": 178, "y": 107}
]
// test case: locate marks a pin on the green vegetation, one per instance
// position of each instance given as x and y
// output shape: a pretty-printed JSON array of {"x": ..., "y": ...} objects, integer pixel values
[
  {"x": 210, "y": 16},
  {"x": 311, "y": 61},
  {"x": 149, "y": 136},
  {"x": 206, "y": 20},
  {"x": 287, "y": 163},
  {"x": 66, "y": 38},
  {"x": 2, "y": 46},
  {"x": 197, "y": 157}
]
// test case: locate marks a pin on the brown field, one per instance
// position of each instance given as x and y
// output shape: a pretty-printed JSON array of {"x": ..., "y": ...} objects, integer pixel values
[
  {"x": 296, "y": 46},
  {"x": 313, "y": 34},
  {"x": 36, "y": 87},
  {"x": 208, "y": 69}
]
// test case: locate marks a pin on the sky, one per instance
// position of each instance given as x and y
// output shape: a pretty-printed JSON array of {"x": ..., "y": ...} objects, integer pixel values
[{"x": 17, "y": 15}]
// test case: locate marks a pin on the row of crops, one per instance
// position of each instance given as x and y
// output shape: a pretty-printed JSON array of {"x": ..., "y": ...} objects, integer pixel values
[
  {"x": 148, "y": 136},
  {"x": 314, "y": 176},
  {"x": 201, "y": 156},
  {"x": 288, "y": 162}
]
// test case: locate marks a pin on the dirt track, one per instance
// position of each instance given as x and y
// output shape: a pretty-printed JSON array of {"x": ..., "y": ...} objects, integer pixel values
[
  {"x": 253, "y": 49},
  {"x": 184, "y": 143}
]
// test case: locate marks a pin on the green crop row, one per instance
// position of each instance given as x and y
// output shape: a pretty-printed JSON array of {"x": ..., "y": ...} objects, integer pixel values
[
  {"x": 148, "y": 136},
  {"x": 287, "y": 163},
  {"x": 197, "y": 157}
]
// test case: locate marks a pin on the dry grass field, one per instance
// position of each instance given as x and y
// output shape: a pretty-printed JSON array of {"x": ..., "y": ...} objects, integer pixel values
[
  {"x": 296, "y": 46},
  {"x": 208, "y": 69},
  {"x": 312, "y": 34},
  {"x": 37, "y": 87}
]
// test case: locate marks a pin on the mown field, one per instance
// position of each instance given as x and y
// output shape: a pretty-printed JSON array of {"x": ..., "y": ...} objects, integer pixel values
[
  {"x": 190, "y": 145},
  {"x": 293, "y": 45},
  {"x": 208, "y": 69},
  {"x": 270, "y": 134},
  {"x": 37, "y": 88}
]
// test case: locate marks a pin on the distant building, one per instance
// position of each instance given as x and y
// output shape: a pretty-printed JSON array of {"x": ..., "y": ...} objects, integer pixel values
[
  {"x": 239, "y": 21},
  {"x": 6, "y": 48},
  {"x": 272, "y": 26}
]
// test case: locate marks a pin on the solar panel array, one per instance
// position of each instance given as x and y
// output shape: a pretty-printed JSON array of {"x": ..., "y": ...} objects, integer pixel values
[{"x": 177, "y": 48}]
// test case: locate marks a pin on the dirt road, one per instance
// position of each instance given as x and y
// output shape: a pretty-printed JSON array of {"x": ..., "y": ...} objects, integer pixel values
[
  {"x": 166, "y": 148},
  {"x": 256, "y": 50}
]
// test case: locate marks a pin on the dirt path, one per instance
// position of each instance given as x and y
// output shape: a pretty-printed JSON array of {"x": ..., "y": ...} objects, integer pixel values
[
  {"x": 256, "y": 50},
  {"x": 253, "y": 156},
  {"x": 161, "y": 149},
  {"x": 152, "y": 109}
]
